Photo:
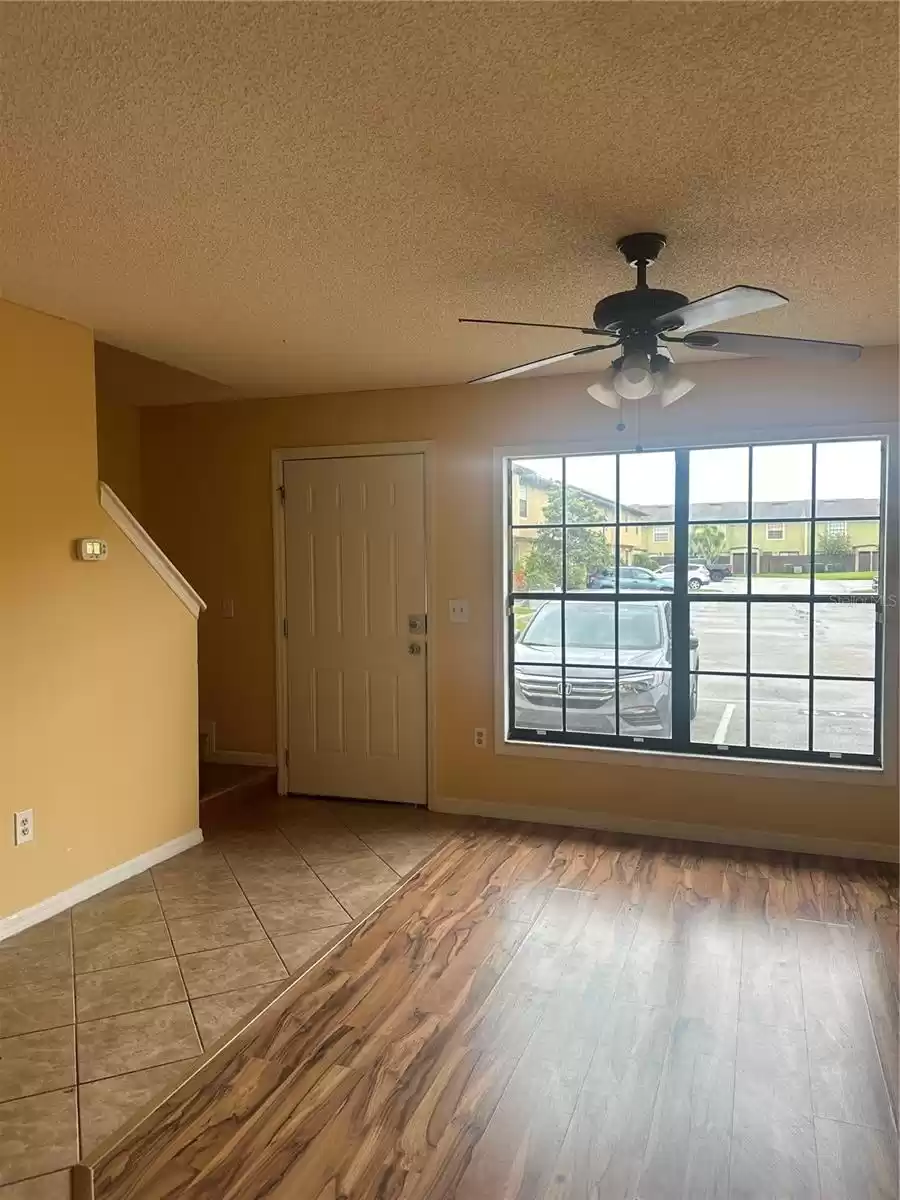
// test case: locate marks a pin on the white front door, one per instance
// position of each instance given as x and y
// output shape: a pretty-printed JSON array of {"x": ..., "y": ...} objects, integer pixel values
[{"x": 355, "y": 566}]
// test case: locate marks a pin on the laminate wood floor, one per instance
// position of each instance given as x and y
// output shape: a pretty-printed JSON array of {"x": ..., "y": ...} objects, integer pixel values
[{"x": 547, "y": 1014}]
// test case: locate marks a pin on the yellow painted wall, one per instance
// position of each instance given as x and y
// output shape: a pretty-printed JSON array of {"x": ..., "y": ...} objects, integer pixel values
[
  {"x": 98, "y": 670},
  {"x": 124, "y": 383},
  {"x": 206, "y": 472},
  {"x": 119, "y": 445}
]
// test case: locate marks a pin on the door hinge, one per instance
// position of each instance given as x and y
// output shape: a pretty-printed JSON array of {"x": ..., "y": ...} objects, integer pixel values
[
  {"x": 281, "y": 494},
  {"x": 287, "y": 758},
  {"x": 284, "y": 626}
]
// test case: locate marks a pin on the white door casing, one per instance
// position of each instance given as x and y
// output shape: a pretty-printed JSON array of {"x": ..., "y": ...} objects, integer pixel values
[{"x": 355, "y": 575}]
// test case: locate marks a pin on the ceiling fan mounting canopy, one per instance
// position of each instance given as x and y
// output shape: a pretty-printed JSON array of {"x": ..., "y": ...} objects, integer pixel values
[{"x": 636, "y": 310}]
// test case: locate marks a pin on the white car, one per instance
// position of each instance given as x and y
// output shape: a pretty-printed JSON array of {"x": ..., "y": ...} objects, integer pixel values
[{"x": 698, "y": 575}]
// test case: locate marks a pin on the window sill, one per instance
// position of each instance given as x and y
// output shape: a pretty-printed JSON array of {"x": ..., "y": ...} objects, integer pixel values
[{"x": 700, "y": 763}]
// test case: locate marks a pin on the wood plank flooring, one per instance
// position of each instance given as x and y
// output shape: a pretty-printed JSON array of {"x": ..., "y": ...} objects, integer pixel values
[{"x": 546, "y": 1014}]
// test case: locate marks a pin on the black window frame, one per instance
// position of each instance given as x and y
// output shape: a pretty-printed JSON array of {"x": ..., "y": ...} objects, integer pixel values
[{"x": 681, "y": 599}]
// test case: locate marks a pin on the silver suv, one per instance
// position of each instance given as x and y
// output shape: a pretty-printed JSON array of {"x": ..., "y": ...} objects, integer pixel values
[{"x": 645, "y": 662}]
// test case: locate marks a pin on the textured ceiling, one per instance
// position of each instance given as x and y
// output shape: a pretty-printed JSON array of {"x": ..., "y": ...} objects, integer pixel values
[{"x": 297, "y": 198}]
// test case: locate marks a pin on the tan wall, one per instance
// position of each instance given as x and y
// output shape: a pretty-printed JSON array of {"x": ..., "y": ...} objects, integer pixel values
[
  {"x": 98, "y": 675},
  {"x": 119, "y": 447},
  {"x": 207, "y": 498},
  {"x": 124, "y": 383}
]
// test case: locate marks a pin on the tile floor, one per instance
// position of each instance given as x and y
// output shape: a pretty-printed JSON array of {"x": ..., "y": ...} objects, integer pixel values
[{"x": 107, "y": 1005}]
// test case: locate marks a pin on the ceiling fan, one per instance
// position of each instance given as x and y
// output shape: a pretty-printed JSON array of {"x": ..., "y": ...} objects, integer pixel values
[{"x": 645, "y": 320}]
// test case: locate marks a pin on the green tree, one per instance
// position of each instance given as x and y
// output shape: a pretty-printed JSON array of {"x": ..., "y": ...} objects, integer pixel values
[
  {"x": 587, "y": 550},
  {"x": 640, "y": 558},
  {"x": 831, "y": 548},
  {"x": 707, "y": 542}
]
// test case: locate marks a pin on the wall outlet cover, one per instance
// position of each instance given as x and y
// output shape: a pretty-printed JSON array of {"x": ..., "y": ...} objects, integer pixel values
[{"x": 24, "y": 826}]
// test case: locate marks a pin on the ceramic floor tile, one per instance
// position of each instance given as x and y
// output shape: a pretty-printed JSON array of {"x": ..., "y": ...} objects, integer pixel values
[
  {"x": 365, "y": 868},
  {"x": 262, "y": 887},
  {"x": 126, "y": 989},
  {"x": 57, "y": 1186},
  {"x": 210, "y": 931},
  {"x": 231, "y": 968},
  {"x": 135, "y": 1041},
  {"x": 404, "y": 852},
  {"x": 191, "y": 897},
  {"x": 137, "y": 883},
  {"x": 296, "y": 949},
  {"x": 296, "y": 916},
  {"x": 38, "y": 1135},
  {"x": 218, "y": 1015},
  {"x": 856, "y": 1163},
  {"x": 37, "y": 1062},
  {"x": 137, "y": 908},
  {"x": 210, "y": 867},
  {"x": 34, "y": 963},
  {"x": 320, "y": 846},
  {"x": 104, "y": 947},
  {"x": 56, "y": 929},
  {"x": 107, "y": 1104},
  {"x": 32, "y": 1006},
  {"x": 360, "y": 898}
]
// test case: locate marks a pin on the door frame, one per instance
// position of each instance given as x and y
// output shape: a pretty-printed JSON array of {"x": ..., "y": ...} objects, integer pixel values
[{"x": 364, "y": 450}]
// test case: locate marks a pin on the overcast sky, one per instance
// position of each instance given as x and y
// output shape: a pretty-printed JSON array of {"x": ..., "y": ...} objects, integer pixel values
[{"x": 844, "y": 470}]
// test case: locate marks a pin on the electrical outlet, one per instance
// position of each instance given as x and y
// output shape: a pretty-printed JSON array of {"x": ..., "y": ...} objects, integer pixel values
[
  {"x": 24, "y": 826},
  {"x": 481, "y": 738}
]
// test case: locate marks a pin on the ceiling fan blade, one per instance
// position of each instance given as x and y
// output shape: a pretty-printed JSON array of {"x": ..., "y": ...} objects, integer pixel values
[
  {"x": 538, "y": 362},
  {"x": 772, "y": 347},
  {"x": 531, "y": 325},
  {"x": 734, "y": 302}
]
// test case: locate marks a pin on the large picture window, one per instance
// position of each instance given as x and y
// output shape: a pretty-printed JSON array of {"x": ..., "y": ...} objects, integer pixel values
[{"x": 646, "y": 607}]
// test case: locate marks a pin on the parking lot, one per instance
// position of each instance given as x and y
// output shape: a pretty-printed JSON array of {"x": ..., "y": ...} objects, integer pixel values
[{"x": 843, "y": 645}]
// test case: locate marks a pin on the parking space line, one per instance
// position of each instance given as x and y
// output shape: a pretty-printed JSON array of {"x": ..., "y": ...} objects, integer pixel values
[{"x": 722, "y": 727}]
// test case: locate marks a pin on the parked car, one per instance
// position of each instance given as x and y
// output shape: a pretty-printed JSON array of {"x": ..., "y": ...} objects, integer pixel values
[
  {"x": 631, "y": 579},
  {"x": 718, "y": 571},
  {"x": 698, "y": 575},
  {"x": 645, "y": 659}
]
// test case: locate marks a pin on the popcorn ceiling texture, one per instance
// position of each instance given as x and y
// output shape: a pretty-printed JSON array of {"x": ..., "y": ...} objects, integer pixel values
[{"x": 299, "y": 198}]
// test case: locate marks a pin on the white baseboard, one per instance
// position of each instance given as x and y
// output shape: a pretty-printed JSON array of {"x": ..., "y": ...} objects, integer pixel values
[
  {"x": 16, "y": 922},
  {"x": 242, "y": 758},
  {"x": 719, "y": 835}
]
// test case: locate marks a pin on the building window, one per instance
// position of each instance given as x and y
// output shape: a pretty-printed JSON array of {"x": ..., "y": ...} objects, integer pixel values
[
  {"x": 523, "y": 502},
  {"x": 836, "y": 528},
  {"x": 754, "y": 659}
]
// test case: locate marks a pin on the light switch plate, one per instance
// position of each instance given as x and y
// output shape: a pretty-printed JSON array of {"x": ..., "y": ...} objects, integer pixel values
[
  {"x": 91, "y": 549},
  {"x": 459, "y": 612}
]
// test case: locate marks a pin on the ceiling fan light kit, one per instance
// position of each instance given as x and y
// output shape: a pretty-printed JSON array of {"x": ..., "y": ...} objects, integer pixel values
[{"x": 645, "y": 320}]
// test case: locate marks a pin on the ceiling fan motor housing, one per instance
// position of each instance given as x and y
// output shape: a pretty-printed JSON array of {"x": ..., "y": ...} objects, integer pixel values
[{"x": 635, "y": 311}]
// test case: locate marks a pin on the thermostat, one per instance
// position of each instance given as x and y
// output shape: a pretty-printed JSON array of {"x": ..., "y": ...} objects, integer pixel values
[{"x": 91, "y": 549}]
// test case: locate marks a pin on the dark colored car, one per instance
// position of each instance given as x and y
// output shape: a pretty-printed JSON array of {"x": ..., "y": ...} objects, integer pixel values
[
  {"x": 718, "y": 571},
  {"x": 645, "y": 660}
]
